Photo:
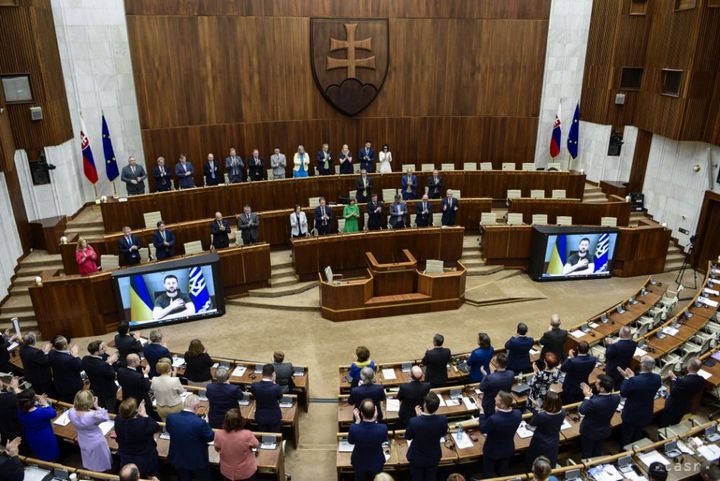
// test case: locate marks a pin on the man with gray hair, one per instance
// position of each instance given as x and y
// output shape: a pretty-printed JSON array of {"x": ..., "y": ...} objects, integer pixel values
[
  {"x": 189, "y": 435},
  {"x": 683, "y": 392},
  {"x": 222, "y": 396},
  {"x": 619, "y": 354},
  {"x": 553, "y": 340},
  {"x": 639, "y": 393},
  {"x": 155, "y": 350},
  {"x": 368, "y": 390},
  {"x": 412, "y": 394}
]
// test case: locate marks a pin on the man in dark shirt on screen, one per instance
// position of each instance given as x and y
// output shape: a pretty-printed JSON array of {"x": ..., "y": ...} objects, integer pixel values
[
  {"x": 581, "y": 261},
  {"x": 172, "y": 302}
]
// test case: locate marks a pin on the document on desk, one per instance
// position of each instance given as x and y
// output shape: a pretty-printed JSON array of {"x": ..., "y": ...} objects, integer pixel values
[
  {"x": 63, "y": 419},
  {"x": 392, "y": 405},
  {"x": 670, "y": 331},
  {"x": 704, "y": 374},
  {"x": 106, "y": 427},
  {"x": 523, "y": 431},
  {"x": 711, "y": 292},
  {"x": 178, "y": 361},
  {"x": 639, "y": 352},
  {"x": 577, "y": 333},
  {"x": 389, "y": 374},
  {"x": 239, "y": 371},
  {"x": 707, "y": 302},
  {"x": 469, "y": 403},
  {"x": 345, "y": 447},
  {"x": 442, "y": 401},
  {"x": 605, "y": 472},
  {"x": 33, "y": 473},
  {"x": 452, "y": 402},
  {"x": 710, "y": 452},
  {"x": 565, "y": 425},
  {"x": 652, "y": 457},
  {"x": 463, "y": 441}
]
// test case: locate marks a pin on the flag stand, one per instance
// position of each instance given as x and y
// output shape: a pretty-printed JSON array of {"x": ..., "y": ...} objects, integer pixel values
[
  {"x": 95, "y": 191},
  {"x": 114, "y": 189}
]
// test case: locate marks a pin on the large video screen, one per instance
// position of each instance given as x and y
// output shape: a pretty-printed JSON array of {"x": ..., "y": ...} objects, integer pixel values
[
  {"x": 169, "y": 292},
  {"x": 572, "y": 252}
]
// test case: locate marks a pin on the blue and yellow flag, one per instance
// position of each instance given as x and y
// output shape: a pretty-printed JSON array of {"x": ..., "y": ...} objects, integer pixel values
[
  {"x": 141, "y": 305},
  {"x": 557, "y": 257}
]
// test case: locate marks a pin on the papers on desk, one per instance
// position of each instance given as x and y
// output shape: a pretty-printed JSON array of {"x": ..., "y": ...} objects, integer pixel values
[
  {"x": 442, "y": 401},
  {"x": 12, "y": 346},
  {"x": 469, "y": 403},
  {"x": 462, "y": 441},
  {"x": 710, "y": 452},
  {"x": 452, "y": 402},
  {"x": 639, "y": 352},
  {"x": 216, "y": 365},
  {"x": 33, "y": 473},
  {"x": 184, "y": 395},
  {"x": 684, "y": 448},
  {"x": 524, "y": 431},
  {"x": 707, "y": 302},
  {"x": 392, "y": 405},
  {"x": 653, "y": 457},
  {"x": 178, "y": 361},
  {"x": 577, "y": 333},
  {"x": 704, "y": 374},
  {"x": 593, "y": 325},
  {"x": 605, "y": 472},
  {"x": 534, "y": 352},
  {"x": 63, "y": 419},
  {"x": 711, "y": 292},
  {"x": 345, "y": 447},
  {"x": 143, "y": 341},
  {"x": 670, "y": 331},
  {"x": 106, "y": 427},
  {"x": 565, "y": 425},
  {"x": 239, "y": 371},
  {"x": 388, "y": 374}
]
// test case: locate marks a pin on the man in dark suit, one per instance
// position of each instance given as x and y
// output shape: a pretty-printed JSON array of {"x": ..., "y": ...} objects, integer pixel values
[
  {"x": 189, "y": 435},
  {"x": 66, "y": 367},
  {"x": 164, "y": 241},
  {"x": 267, "y": 396},
  {"x": 367, "y": 158},
  {"x": 323, "y": 217},
  {"x": 256, "y": 166},
  {"x": 434, "y": 185},
  {"x": 436, "y": 361},
  {"x": 211, "y": 171},
  {"x": 249, "y": 225},
  {"x": 368, "y": 436},
  {"x": 363, "y": 186},
  {"x": 220, "y": 230},
  {"x": 425, "y": 431},
  {"x": 450, "y": 206},
  {"x": 518, "y": 350},
  {"x": 683, "y": 393},
  {"x": 134, "y": 177},
  {"x": 283, "y": 372},
  {"x": 619, "y": 354},
  {"x": 499, "y": 430},
  {"x": 10, "y": 426},
  {"x": 162, "y": 176},
  {"x": 11, "y": 469},
  {"x": 324, "y": 161},
  {"x": 398, "y": 211},
  {"x": 184, "y": 173},
  {"x": 499, "y": 380},
  {"x": 408, "y": 182},
  {"x": 367, "y": 389},
  {"x": 553, "y": 340},
  {"x": 376, "y": 216},
  {"x": 577, "y": 368},
  {"x": 411, "y": 395},
  {"x": 235, "y": 167},
  {"x": 155, "y": 350},
  {"x": 222, "y": 396},
  {"x": 126, "y": 343},
  {"x": 36, "y": 365},
  {"x": 423, "y": 212},
  {"x": 597, "y": 411},
  {"x": 639, "y": 393},
  {"x": 133, "y": 382},
  {"x": 129, "y": 246},
  {"x": 99, "y": 369}
]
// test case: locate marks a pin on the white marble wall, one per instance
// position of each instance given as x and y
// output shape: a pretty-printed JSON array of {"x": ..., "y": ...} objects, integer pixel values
[
  {"x": 592, "y": 153},
  {"x": 9, "y": 239},
  {"x": 564, "y": 67}
]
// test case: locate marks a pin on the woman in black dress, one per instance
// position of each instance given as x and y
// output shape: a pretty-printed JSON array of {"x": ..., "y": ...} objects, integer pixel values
[
  {"x": 547, "y": 423},
  {"x": 135, "y": 433},
  {"x": 197, "y": 364}
]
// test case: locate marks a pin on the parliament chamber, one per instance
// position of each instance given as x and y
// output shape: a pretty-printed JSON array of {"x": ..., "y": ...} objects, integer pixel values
[{"x": 390, "y": 240}]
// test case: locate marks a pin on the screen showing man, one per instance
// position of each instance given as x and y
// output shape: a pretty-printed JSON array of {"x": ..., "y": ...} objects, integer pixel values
[
  {"x": 584, "y": 254},
  {"x": 580, "y": 262},
  {"x": 172, "y": 303}
]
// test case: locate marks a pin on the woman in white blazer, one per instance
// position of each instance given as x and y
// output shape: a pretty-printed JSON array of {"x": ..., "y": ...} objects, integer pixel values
[
  {"x": 385, "y": 158},
  {"x": 298, "y": 223}
]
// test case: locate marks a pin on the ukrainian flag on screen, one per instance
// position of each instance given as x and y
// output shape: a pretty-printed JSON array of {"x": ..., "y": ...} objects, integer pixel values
[
  {"x": 557, "y": 257},
  {"x": 141, "y": 305}
]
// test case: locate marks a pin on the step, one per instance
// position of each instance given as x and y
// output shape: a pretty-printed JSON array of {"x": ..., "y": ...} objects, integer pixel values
[
  {"x": 475, "y": 254},
  {"x": 470, "y": 241},
  {"x": 24, "y": 281},
  {"x": 475, "y": 262},
  {"x": 265, "y": 303},
  {"x": 283, "y": 281},
  {"x": 18, "y": 303},
  {"x": 396, "y": 298},
  {"x": 46, "y": 262},
  {"x": 282, "y": 258},
  {"x": 37, "y": 270},
  {"x": 675, "y": 256},
  {"x": 27, "y": 316},
  {"x": 282, "y": 272},
  {"x": 79, "y": 223},
  {"x": 483, "y": 270},
  {"x": 283, "y": 291}
]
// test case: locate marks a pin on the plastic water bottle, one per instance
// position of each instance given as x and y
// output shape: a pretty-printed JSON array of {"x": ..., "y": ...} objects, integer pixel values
[{"x": 458, "y": 431}]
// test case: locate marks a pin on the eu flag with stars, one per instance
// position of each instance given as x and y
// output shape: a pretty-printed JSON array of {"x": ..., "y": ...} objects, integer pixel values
[
  {"x": 111, "y": 167},
  {"x": 199, "y": 291},
  {"x": 574, "y": 135}
]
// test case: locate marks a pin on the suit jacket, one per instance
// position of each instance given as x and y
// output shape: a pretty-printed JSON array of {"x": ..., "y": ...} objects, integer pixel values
[
  {"x": 11, "y": 469},
  {"x": 101, "y": 375},
  {"x": 435, "y": 187},
  {"x": 66, "y": 373},
  {"x": 619, "y": 354},
  {"x": 518, "y": 353},
  {"x": 492, "y": 384},
  {"x": 184, "y": 181},
  {"x": 639, "y": 393},
  {"x": 10, "y": 426},
  {"x": 363, "y": 194},
  {"x": 127, "y": 345},
  {"x": 553, "y": 341},
  {"x": 249, "y": 227},
  {"x": 220, "y": 238},
  {"x": 256, "y": 171},
  {"x": 499, "y": 430},
  {"x": 368, "y": 439},
  {"x": 448, "y": 210},
  {"x": 409, "y": 183},
  {"x": 128, "y": 176},
  {"x": 284, "y": 375},
  {"x": 212, "y": 175},
  {"x": 375, "y": 392},
  {"x": 423, "y": 220},
  {"x": 36, "y": 366},
  {"x": 189, "y": 436},
  {"x": 597, "y": 413},
  {"x": 435, "y": 361},
  {"x": 267, "y": 402},
  {"x": 318, "y": 215},
  {"x": 222, "y": 397},
  {"x": 410, "y": 395},
  {"x": 153, "y": 353},
  {"x": 577, "y": 370},
  {"x": 398, "y": 211},
  {"x": 298, "y": 224},
  {"x": 236, "y": 172},
  {"x": 161, "y": 250},
  {"x": 320, "y": 158},
  {"x": 162, "y": 180},
  {"x": 367, "y": 159},
  {"x": 134, "y": 385},
  {"x": 375, "y": 220},
  {"x": 425, "y": 432},
  {"x": 128, "y": 257},
  {"x": 682, "y": 394}
]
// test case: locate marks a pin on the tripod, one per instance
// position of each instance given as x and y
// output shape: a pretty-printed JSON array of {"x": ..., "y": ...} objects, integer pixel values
[{"x": 683, "y": 268}]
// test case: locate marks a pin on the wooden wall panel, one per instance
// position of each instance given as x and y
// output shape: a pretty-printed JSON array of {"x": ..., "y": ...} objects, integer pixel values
[{"x": 640, "y": 161}]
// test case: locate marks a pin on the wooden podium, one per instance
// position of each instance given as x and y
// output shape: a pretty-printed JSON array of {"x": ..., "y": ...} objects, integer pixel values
[{"x": 390, "y": 289}]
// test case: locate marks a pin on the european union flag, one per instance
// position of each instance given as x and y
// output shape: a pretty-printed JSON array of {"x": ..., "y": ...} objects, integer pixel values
[
  {"x": 601, "y": 253},
  {"x": 574, "y": 135},
  {"x": 199, "y": 291},
  {"x": 141, "y": 305},
  {"x": 111, "y": 167}
]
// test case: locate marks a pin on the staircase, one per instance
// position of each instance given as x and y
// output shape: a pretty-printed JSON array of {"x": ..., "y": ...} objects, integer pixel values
[
  {"x": 283, "y": 281},
  {"x": 593, "y": 194},
  {"x": 473, "y": 260},
  {"x": 87, "y": 224},
  {"x": 675, "y": 255}
]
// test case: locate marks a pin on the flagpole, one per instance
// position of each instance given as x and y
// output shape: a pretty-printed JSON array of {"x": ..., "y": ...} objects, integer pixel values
[
  {"x": 114, "y": 188},
  {"x": 95, "y": 191}
]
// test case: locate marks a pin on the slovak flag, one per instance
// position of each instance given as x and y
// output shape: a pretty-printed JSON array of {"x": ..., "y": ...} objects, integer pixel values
[
  {"x": 556, "y": 136},
  {"x": 88, "y": 159}
]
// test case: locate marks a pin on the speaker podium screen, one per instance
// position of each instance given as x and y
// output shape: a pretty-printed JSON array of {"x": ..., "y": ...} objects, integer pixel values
[
  {"x": 169, "y": 292},
  {"x": 572, "y": 252}
]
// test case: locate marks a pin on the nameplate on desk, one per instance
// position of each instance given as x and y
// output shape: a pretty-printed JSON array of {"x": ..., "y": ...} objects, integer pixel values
[
  {"x": 708, "y": 302},
  {"x": 711, "y": 292}
]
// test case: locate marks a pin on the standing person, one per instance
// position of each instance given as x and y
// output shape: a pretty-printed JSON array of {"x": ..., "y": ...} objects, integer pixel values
[
  {"x": 11, "y": 469},
  {"x": 480, "y": 358},
  {"x": 500, "y": 380},
  {"x": 639, "y": 393},
  {"x": 184, "y": 173},
  {"x": 619, "y": 354},
  {"x": 398, "y": 211},
  {"x": 324, "y": 161},
  {"x": 351, "y": 214},
  {"x": 411, "y": 395},
  {"x": 434, "y": 186},
  {"x": 86, "y": 416},
  {"x": 99, "y": 369},
  {"x": 37, "y": 365},
  {"x": 435, "y": 360},
  {"x": 450, "y": 206},
  {"x": 323, "y": 218},
  {"x": 198, "y": 364},
  {"x": 426, "y": 430},
  {"x": 164, "y": 241},
  {"x": 36, "y": 416},
  {"x": 577, "y": 369},
  {"x": 346, "y": 165},
  {"x": 541, "y": 381},
  {"x": 499, "y": 430},
  {"x": 134, "y": 177},
  {"x": 597, "y": 412},
  {"x": 546, "y": 438},
  {"x": 236, "y": 446},
  {"x": 518, "y": 350},
  {"x": 367, "y": 158},
  {"x": 363, "y": 187},
  {"x": 385, "y": 158},
  {"x": 301, "y": 162},
  {"x": 409, "y": 185},
  {"x": 85, "y": 257},
  {"x": 167, "y": 390},
  {"x": 155, "y": 350},
  {"x": 162, "y": 176},
  {"x": 10, "y": 427},
  {"x": 129, "y": 246},
  {"x": 423, "y": 212},
  {"x": 683, "y": 392},
  {"x": 283, "y": 372},
  {"x": 126, "y": 343},
  {"x": 368, "y": 437},
  {"x": 189, "y": 438},
  {"x": 298, "y": 223},
  {"x": 249, "y": 225},
  {"x": 220, "y": 232},
  {"x": 278, "y": 163},
  {"x": 235, "y": 167},
  {"x": 553, "y": 340},
  {"x": 66, "y": 367},
  {"x": 133, "y": 382},
  {"x": 222, "y": 396},
  {"x": 256, "y": 166},
  {"x": 362, "y": 360},
  {"x": 211, "y": 171},
  {"x": 135, "y": 435},
  {"x": 368, "y": 389},
  {"x": 267, "y": 396},
  {"x": 376, "y": 216}
]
